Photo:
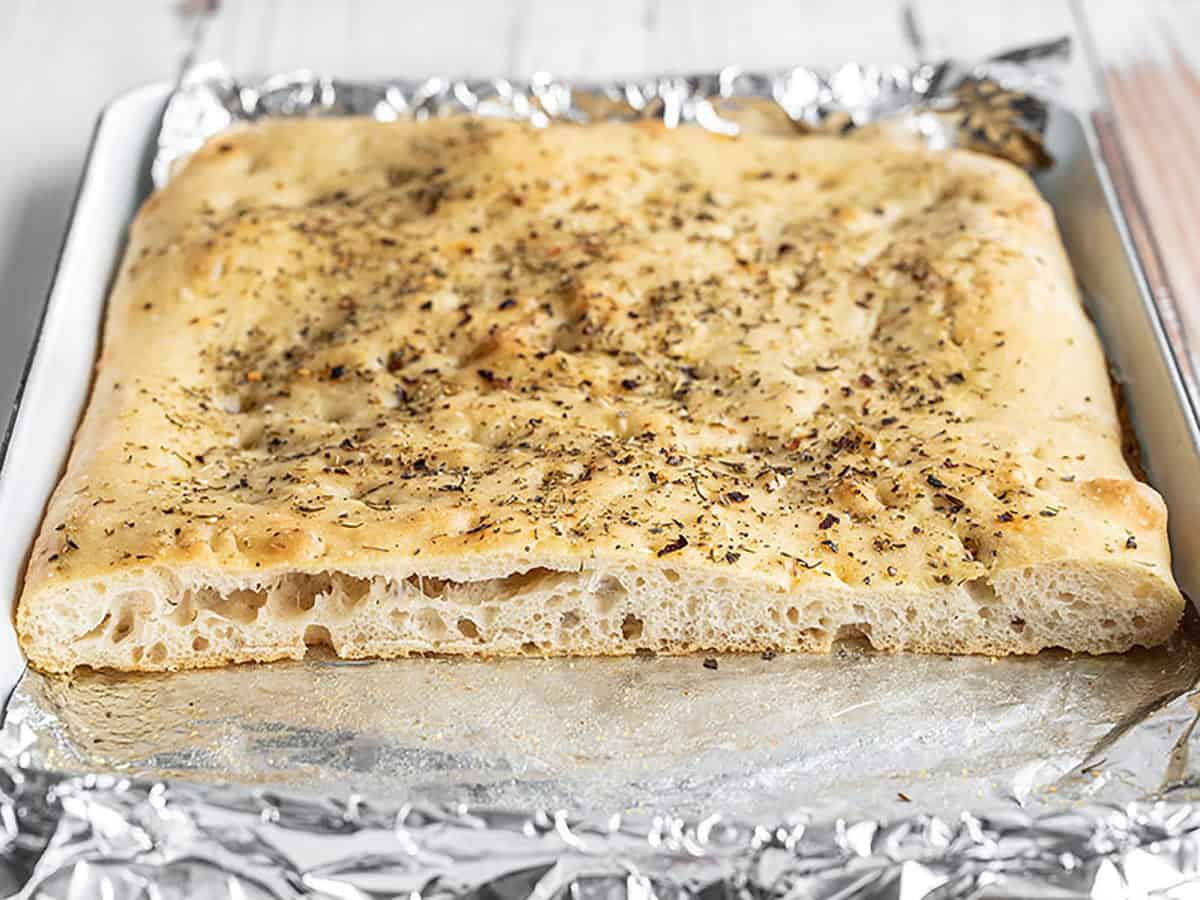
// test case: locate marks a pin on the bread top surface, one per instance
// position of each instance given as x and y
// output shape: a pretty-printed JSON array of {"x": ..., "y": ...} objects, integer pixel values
[{"x": 468, "y": 347}]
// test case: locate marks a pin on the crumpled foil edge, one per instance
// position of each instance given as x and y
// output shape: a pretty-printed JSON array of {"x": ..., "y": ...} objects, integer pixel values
[
  {"x": 996, "y": 106},
  {"x": 104, "y": 835},
  {"x": 61, "y": 834}
]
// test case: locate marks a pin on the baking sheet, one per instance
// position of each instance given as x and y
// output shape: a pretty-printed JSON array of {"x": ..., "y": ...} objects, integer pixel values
[{"x": 850, "y": 775}]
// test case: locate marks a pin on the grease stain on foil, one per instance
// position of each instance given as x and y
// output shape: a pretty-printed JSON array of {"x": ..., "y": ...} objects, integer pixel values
[{"x": 846, "y": 733}]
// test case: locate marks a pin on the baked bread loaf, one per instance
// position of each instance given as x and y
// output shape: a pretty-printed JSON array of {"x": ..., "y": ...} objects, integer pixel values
[{"x": 469, "y": 387}]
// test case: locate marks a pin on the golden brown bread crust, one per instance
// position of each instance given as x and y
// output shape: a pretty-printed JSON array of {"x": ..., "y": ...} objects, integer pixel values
[{"x": 849, "y": 383}]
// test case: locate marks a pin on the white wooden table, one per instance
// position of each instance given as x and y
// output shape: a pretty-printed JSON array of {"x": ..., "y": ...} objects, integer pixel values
[{"x": 60, "y": 60}]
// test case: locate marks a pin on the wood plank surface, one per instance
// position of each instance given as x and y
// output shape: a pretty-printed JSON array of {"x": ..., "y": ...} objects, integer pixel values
[{"x": 1147, "y": 63}]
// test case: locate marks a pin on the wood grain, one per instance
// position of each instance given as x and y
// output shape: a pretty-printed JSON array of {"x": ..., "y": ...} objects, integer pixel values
[{"x": 1148, "y": 131}]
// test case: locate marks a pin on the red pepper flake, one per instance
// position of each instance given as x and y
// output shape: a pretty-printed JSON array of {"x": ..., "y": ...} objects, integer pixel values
[
  {"x": 678, "y": 544},
  {"x": 254, "y": 375}
]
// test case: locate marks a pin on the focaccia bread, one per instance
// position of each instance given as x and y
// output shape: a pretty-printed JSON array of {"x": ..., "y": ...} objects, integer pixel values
[{"x": 468, "y": 387}]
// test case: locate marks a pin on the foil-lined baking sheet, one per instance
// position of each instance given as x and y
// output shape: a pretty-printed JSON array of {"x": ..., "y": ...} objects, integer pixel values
[{"x": 853, "y": 775}]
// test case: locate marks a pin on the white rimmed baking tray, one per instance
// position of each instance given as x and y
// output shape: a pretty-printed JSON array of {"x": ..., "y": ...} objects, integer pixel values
[
  {"x": 57, "y": 378},
  {"x": 115, "y": 181}
]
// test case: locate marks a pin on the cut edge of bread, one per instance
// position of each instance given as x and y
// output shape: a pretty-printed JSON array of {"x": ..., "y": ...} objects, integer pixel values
[{"x": 165, "y": 618}]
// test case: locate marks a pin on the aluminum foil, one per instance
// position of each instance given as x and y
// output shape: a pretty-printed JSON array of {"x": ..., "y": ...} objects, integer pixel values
[
  {"x": 853, "y": 775},
  {"x": 997, "y": 107},
  {"x": 800, "y": 777}
]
